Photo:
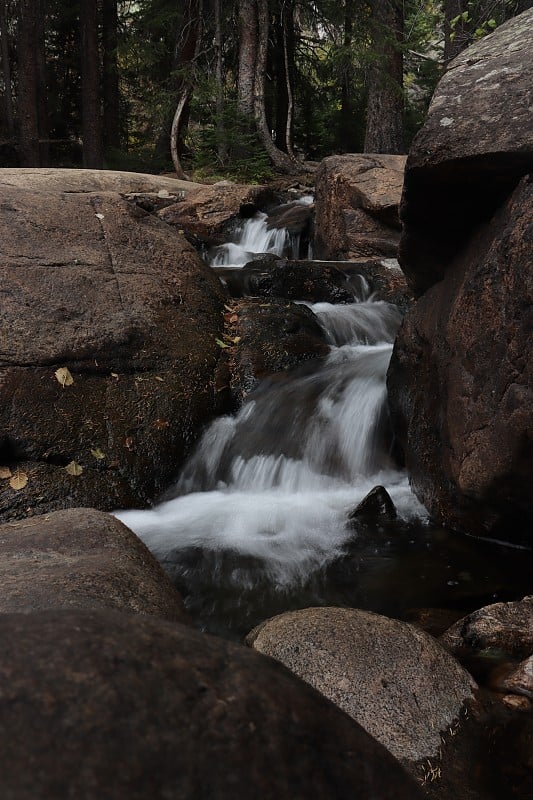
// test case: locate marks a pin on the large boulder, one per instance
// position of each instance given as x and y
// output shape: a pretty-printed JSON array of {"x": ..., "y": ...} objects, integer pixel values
[
  {"x": 394, "y": 679},
  {"x": 81, "y": 558},
  {"x": 460, "y": 382},
  {"x": 106, "y": 704},
  {"x": 357, "y": 202},
  {"x": 108, "y": 324},
  {"x": 476, "y": 144}
]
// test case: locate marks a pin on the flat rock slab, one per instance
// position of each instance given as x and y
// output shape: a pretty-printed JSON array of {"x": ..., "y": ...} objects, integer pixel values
[
  {"x": 93, "y": 180},
  {"x": 476, "y": 144},
  {"x": 93, "y": 285},
  {"x": 394, "y": 679},
  {"x": 81, "y": 558},
  {"x": 103, "y": 704},
  {"x": 357, "y": 206}
]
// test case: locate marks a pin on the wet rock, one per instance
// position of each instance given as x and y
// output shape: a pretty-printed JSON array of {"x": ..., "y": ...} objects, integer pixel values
[
  {"x": 266, "y": 338},
  {"x": 377, "y": 506},
  {"x": 460, "y": 380},
  {"x": 81, "y": 558},
  {"x": 395, "y": 680},
  {"x": 357, "y": 201},
  {"x": 520, "y": 679},
  {"x": 503, "y": 627},
  {"x": 473, "y": 149},
  {"x": 319, "y": 282},
  {"x": 295, "y": 217},
  {"x": 108, "y": 324},
  {"x": 207, "y": 217},
  {"x": 117, "y": 705}
]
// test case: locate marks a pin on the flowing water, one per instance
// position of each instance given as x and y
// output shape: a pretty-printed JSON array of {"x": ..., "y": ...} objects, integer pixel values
[{"x": 259, "y": 518}]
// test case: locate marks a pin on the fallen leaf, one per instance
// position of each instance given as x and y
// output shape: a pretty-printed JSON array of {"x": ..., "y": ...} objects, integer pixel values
[
  {"x": 99, "y": 216},
  {"x": 159, "y": 379},
  {"x": 97, "y": 453},
  {"x": 114, "y": 375},
  {"x": 5, "y": 472},
  {"x": 74, "y": 469},
  {"x": 18, "y": 481},
  {"x": 236, "y": 339},
  {"x": 160, "y": 424},
  {"x": 63, "y": 376},
  {"x": 221, "y": 343}
]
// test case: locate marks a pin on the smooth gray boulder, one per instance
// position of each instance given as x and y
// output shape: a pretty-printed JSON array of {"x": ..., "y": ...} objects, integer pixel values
[{"x": 398, "y": 682}]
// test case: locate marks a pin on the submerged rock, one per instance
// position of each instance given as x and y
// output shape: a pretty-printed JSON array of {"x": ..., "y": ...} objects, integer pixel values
[
  {"x": 104, "y": 704},
  {"x": 394, "y": 679},
  {"x": 357, "y": 202},
  {"x": 82, "y": 558},
  {"x": 107, "y": 351},
  {"x": 377, "y": 506}
]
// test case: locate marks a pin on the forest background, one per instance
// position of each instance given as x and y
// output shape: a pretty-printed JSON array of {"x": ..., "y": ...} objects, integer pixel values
[{"x": 220, "y": 88}]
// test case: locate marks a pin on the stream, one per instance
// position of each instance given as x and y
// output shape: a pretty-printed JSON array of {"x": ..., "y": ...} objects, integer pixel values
[{"x": 258, "y": 522}]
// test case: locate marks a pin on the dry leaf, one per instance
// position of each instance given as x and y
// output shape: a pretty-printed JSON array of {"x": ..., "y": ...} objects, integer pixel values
[
  {"x": 5, "y": 472},
  {"x": 74, "y": 469},
  {"x": 97, "y": 453},
  {"x": 221, "y": 343},
  {"x": 158, "y": 378},
  {"x": 99, "y": 216},
  {"x": 63, "y": 376},
  {"x": 234, "y": 318},
  {"x": 18, "y": 481}
]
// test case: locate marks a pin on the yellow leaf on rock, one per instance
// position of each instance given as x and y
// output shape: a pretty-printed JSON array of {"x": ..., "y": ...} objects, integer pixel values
[
  {"x": 97, "y": 453},
  {"x": 63, "y": 376},
  {"x": 18, "y": 481},
  {"x": 74, "y": 469},
  {"x": 5, "y": 472}
]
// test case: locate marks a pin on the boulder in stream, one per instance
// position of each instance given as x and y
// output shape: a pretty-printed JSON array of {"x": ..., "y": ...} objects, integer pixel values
[
  {"x": 461, "y": 372},
  {"x": 357, "y": 203},
  {"x": 81, "y": 558},
  {"x": 108, "y": 324},
  {"x": 106, "y": 704},
  {"x": 398, "y": 682}
]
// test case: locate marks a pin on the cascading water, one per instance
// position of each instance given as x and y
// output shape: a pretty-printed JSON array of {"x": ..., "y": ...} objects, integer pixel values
[
  {"x": 256, "y": 237},
  {"x": 259, "y": 518}
]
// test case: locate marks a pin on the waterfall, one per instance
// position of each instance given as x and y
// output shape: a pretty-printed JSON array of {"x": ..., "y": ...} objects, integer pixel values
[{"x": 275, "y": 483}]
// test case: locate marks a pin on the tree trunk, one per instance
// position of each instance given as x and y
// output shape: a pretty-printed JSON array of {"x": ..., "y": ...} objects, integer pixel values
[
  {"x": 28, "y": 103},
  {"x": 247, "y": 56},
  {"x": 384, "y": 123},
  {"x": 194, "y": 37},
  {"x": 456, "y": 37},
  {"x": 110, "y": 84},
  {"x": 346, "y": 126},
  {"x": 188, "y": 38},
  {"x": 6, "y": 71},
  {"x": 222, "y": 144},
  {"x": 42, "y": 86},
  {"x": 280, "y": 160},
  {"x": 92, "y": 128}
]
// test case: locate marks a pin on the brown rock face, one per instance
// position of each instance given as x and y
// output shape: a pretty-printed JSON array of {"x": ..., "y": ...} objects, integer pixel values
[
  {"x": 357, "y": 200},
  {"x": 476, "y": 144},
  {"x": 266, "y": 337},
  {"x": 394, "y": 679},
  {"x": 81, "y": 558},
  {"x": 103, "y": 704},
  {"x": 92, "y": 284},
  {"x": 460, "y": 382},
  {"x": 206, "y": 216}
]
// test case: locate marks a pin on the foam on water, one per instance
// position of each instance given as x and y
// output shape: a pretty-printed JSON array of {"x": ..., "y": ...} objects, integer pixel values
[{"x": 277, "y": 481}]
